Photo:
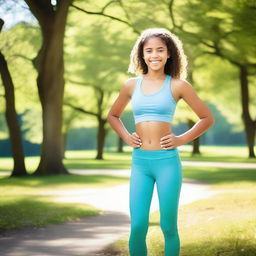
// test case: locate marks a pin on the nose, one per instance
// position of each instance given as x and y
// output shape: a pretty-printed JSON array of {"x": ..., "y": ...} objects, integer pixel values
[{"x": 154, "y": 54}]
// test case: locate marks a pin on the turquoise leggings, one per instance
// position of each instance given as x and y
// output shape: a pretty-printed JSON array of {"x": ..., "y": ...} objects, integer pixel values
[{"x": 163, "y": 167}]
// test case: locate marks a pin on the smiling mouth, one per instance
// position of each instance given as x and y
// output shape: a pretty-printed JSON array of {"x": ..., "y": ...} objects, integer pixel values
[{"x": 155, "y": 61}]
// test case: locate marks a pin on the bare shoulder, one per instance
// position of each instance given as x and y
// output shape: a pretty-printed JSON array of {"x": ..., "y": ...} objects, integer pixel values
[
  {"x": 129, "y": 85},
  {"x": 180, "y": 84},
  {"x": 123, "y": 98},
  {"x": 181, "y": 87}
]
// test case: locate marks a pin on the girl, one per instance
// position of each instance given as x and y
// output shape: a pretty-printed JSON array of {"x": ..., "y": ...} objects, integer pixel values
[{"x": 158, "y": 58}]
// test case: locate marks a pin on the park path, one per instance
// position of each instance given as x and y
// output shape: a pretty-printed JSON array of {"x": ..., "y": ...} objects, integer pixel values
[{"x": 88, "y": 236}]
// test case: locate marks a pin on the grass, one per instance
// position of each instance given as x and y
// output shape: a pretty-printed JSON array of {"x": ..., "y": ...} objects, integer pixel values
[
  {"x": 85, "y": 159},
  {"x": 224, "y": 225},
  {"x": 222, "y": 178},
  {"x": 228, "y": 154},
  {"x": 34, "y": 184},
  {"x": 34, "y": 211},
  {"x": 22, "y": 205}
]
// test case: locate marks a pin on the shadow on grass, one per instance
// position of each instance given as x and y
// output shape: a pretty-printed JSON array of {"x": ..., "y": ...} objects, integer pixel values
[
  {"x": 34, "y": 211},
  {"x": 59, "y": 180}
]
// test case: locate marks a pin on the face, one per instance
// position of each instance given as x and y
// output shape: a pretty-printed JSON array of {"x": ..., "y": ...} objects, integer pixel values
[{"x": 155, "y": 53}]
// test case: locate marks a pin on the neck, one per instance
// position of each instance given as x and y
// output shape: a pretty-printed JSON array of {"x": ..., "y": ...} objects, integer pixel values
[{"x": 155, "y": 75}]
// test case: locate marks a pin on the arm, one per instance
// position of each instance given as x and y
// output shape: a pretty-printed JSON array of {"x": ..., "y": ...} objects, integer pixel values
[
  {"x": 188, "y": 94},
  {"x": 115, "y": 113}
]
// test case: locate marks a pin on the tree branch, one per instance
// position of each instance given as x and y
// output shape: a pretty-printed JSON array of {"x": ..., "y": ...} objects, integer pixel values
[
  {"x": 80, "y": 109},
  {"x": 106, "y": 15},
  {"x": 108, "y": 4},
  {"x": 23, "y": 56},
  {"x": 79, "y": 83},
  {"x": 170, "y": 8},
  {"x": 128, "y": 17}
]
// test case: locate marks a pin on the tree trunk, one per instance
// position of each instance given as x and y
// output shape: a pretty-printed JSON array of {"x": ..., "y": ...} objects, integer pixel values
[
  {"x": 120, "y": 145},
  {"x": 50, "y": 81},
  {"x": 51, "y": 89},
  {"x": 195, "y": 142},
  {"x": 249, "y": 124},
  {"x": 19, "y": 168},
  {"x": 102, "y": 132}
]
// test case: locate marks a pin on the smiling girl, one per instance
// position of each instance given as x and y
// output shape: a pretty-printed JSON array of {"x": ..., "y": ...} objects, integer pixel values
[{"x": 159, "y": 61}]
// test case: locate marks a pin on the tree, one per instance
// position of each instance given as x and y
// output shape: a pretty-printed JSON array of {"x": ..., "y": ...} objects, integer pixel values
[
  {"x": 98, "y": 65},
  {"x": 50, "y": 81},
  {"x": 228, "y": 33},
  {"x": 19, "y": 168},
  {"x": 142, "y": 20}
]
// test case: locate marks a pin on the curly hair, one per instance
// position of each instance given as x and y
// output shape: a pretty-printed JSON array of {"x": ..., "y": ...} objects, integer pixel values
[{"x": 176, "y": 65}]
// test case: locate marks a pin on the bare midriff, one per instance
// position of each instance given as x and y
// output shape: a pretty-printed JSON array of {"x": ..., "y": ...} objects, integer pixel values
[{"x": 150, "y": 133}]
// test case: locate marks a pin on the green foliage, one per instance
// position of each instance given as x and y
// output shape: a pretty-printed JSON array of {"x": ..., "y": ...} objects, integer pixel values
[
  {"x": 20, "y": 45},
  {"x": 97, "y": 56},
  {"x": 228, "y": 24},
  {"x": 217, "y": 82},
  {"x": 32, "y": 125}
]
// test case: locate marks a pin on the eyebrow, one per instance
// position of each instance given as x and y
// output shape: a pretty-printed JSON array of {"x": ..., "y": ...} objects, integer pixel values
[{"x": 161, "y": 47}]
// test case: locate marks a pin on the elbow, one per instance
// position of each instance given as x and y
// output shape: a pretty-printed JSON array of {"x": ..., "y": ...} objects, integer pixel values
[
  {"x": 110, "y": 117},
  {"x": 211, "y": 120}
]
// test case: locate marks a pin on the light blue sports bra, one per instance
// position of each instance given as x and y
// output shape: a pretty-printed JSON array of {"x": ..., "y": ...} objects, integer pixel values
[{"x": 158, "y": 106}]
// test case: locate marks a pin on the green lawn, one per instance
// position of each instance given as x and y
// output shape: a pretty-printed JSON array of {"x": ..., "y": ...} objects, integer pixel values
[
  {"x": 23, "y": 205},
  {"x": 35, "y": 211},
  {"x": 223, "y": 225},
  {"x": 85, "y": 159},
  {"x": 219, "y": 153},
  {"x": 222, "y": 178}
]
